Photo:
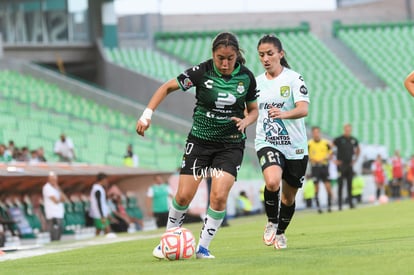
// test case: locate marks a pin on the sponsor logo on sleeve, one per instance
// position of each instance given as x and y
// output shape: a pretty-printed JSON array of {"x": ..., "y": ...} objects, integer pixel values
[
  {"x": 187, "y": 83},
  {"x": 303, "y": 90}
]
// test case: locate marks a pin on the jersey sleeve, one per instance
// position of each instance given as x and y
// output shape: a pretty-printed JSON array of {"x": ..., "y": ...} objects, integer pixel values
[
  {"x": 300, "y": 91},
  {"x": 191, "y": 77},
  {"x": 252, "y": 93}
]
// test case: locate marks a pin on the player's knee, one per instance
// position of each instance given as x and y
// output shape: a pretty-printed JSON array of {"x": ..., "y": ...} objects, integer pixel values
[
  {"x": 288, "y": 200},
  {"x": 273, "y": 184},
  {"x": 218, "y": 201},
  {"x": 182, "y": 200}
]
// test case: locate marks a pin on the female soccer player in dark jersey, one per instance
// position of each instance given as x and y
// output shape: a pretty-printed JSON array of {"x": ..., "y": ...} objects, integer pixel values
[{"x": 225, "y": 89}]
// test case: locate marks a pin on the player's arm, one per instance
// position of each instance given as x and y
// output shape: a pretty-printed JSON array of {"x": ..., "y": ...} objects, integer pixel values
[
  {"x": 145, "y": 120},
  {"x": 300, "y": 110},
  {"x": 409, "y": 83},
  {"x": 330, "y": 150}
]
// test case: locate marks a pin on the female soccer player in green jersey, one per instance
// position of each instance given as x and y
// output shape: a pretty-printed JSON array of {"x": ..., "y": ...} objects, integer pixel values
[
  {"x": 225, "y": 89},
  {"x": 281, "y": 141}
]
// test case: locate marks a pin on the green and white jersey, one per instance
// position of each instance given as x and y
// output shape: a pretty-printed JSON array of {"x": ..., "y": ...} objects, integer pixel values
[
  {"x": 219, "y": 98},
  {"x": 287, "y": 135}
]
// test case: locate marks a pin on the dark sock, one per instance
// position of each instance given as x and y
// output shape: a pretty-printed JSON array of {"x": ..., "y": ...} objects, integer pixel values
[
  {"x": 286, "y": 214},
  {"x": 378, "y": 193},
  {"x": 271, "y": 205}
]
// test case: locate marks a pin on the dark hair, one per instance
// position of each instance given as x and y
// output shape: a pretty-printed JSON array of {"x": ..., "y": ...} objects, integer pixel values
[
  {"x": 228, "y": 39},
  {"x": 101, "y": 176},
  {"x": 269, "y": 38}
]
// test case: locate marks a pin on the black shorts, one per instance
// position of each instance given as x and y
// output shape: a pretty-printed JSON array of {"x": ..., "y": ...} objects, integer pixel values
[
  {"x": 320, "y": 173},
  {"x": 293, "y": 169},
  {"x": 203, "y": 159}
]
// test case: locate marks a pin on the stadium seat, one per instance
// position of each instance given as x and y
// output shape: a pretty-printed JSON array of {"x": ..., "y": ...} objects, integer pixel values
[
  {"x": 379, "y": 46},
  {"x": 100, "y": 134}
]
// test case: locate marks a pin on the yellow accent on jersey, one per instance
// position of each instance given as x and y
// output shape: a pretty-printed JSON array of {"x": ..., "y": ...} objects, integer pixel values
[{"x": 319, "y": 150}]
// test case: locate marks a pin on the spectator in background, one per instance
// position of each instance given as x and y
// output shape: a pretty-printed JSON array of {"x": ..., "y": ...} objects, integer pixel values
[
  {"x": 53, "y": 199},
  {"x": 131, "y": 159},
  {"x": 397, "y": 174},
  {"x": 4, "y": 157},
  {"x": 116, "y": 221},
  {"x": 380, "y": 177},
  {"x": 120, "y": 214},
  {"x": 347, "y": 153},
  {"x": 409, "y": 83},
  {"x": 99, "y": 209},
  {"x": 65, "y": 149},
  {"x": 24, "y": 155},
  {"x": 244, "y": 205},
  {"x": 410, "y": 176},
  {"x": 41, "y": 155},
  {"x": 358, "y": 185},
  {"x": 158, "y": 201},
  {"x": 34, "y": 158},
  {"x": 10, "y": 148}
]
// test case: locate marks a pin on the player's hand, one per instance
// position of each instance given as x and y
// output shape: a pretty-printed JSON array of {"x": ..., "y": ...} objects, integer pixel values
[
  {"x": 142, "y": 125},
  {"x": 144, "y": 121},
  {"x": 275, "y": 113},
  {"x": 241, "y": 124}
]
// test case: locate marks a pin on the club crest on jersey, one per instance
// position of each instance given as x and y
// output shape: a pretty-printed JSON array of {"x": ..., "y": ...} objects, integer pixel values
[
  {"x": 240, "y": 88},
  {"x": 285, "y": 91}
]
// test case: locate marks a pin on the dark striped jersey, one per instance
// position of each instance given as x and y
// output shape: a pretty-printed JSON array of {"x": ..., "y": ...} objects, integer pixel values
[{"x": 219, "y": 98}]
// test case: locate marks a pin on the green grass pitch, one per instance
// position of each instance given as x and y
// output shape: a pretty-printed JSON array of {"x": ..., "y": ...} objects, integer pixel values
[{"x": 366, "y": 240}]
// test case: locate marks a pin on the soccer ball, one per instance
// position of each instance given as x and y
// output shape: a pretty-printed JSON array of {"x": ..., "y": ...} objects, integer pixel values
[
  {"x": 178, "y": 243},
  {"x": 383, "y": 199}
]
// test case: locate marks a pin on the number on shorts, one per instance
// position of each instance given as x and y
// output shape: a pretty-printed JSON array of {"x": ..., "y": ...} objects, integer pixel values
[
  {"x": 189, "y": 148},
  {"x": 271, "y": 156}
]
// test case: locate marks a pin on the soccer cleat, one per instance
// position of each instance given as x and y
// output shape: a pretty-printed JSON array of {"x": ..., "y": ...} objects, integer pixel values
[
  {"x": 280, "y": 241},
  {"x": 157, "y": 253},
  {"x": 203, "y": 253},
  {"x": 269, "y": 233}
]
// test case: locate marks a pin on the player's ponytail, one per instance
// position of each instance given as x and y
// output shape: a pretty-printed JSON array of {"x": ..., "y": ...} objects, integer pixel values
[
  {"x": 229, "y": 39},
  {"x": 268, "y": 38}
]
